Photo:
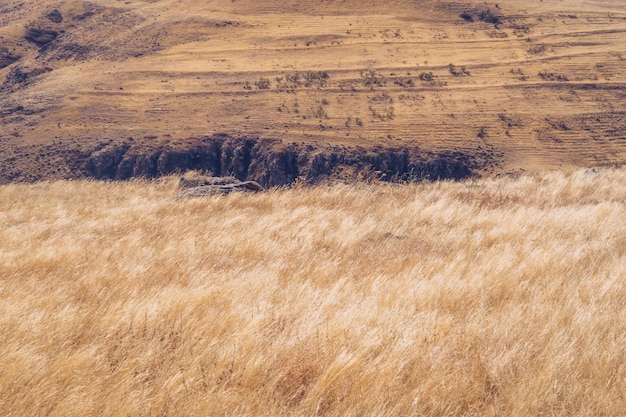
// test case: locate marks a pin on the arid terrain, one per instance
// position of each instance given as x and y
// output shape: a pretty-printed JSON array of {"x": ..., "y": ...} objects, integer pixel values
[
  {"x": 489, "y": 297},
  {"x": 274, "y": 91}
]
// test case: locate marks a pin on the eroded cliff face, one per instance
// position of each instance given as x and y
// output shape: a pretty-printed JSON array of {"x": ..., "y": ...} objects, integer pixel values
[{"x": 272, "y": 162}]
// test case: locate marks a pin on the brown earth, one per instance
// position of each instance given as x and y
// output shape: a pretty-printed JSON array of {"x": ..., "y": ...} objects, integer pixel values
[{"x": 274, "y": 91}]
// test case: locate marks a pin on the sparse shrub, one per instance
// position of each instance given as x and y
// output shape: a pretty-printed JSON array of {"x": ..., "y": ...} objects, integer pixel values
[
  {"x": 390, "y": 113},
  {"x": 382, "y": 98},
  {"x": 406, "y": 83},
  {"x": 497, "y": 34},
  {"x": 320, "y": 113},
  {"x": 518, "y": 71},
  {"x": 558, "y": 124},
  {"x": 488, "y": 16},
  {"x": 371, "y": 78},
  {"x": 510, "y": 120},
  {"x": 426, "y": 76},
  {"x": 467, "y": 16},
  {"x": 319, "y": 77},
  {"x": 386, "y": 114},
  {"x": 263, "y": 83},
  {"x": 538, "y": 49},
  {"x": 458, "y": 71},
  {"x": 293, "y": 78},
  {"x": 550, "y": 76}
]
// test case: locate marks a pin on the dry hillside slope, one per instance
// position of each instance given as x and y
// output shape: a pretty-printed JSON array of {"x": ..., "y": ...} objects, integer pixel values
[{"x": 143, "y": 88}]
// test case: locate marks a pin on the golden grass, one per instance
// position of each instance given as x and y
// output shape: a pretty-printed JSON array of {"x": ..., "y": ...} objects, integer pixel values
[{"x": 494, "y": 297}]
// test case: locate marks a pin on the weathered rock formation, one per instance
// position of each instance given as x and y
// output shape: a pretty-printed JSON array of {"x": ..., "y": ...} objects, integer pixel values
[
  {"x": 274, "y": 163},
  {"x": 203, "y": 186},
  {"x": 270, "y": 162}
]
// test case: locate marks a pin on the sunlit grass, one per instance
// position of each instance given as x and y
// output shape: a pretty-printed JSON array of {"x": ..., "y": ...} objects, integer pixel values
[{"x": 491, "y": 297}]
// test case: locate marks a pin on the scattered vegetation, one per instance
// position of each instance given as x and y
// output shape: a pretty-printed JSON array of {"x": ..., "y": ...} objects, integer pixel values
[
  {"x": 291, "y": 82},
  {"x": 510, "y": 120},
  {"x": 320, "y": 112},
  {"x": 484, "y": 15},
  {"x": 320, "y": 78},
  {"x": 520, "y": 73},
  {"x": 263, "y": 83},
  {"x": 538, "y": 49},
  {"x": 467, "y": 16},
  {"x": 371, "y": 78},
  {"x": 40, "y": 37},
  {"x": 551, "y": 76},
  {"x": 426, "y": 76},
  {"x": 558, "y": 124},
  {"x": 488, "y": 16},
  {"x": 404, "y": 82},
  {"x": 357, "y": 121},
  {"x": 497, "y": 34},
  {"x": 458, "y": 71},
  {"x": 489, "y": 297},
  {"x": 386, "y": 114}
]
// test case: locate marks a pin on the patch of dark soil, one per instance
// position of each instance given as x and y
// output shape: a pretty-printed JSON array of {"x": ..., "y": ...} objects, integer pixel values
[
  {"x": 54, "y": 16},
  {"x": 74, "y": 51},
  {"x": 89, "y": 10},
  {"x": 15, "y": 109},
  {"x": 21, "y": 75},
  {"x": 7, "y": 58},
  {"x": 40, "y": 36}
]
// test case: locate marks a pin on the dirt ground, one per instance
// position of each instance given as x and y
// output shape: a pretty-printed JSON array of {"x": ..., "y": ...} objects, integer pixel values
[{"x": 526, "y": 86}]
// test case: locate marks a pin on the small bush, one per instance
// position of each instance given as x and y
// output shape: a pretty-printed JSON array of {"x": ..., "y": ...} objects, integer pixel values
[
  {"x": 371, "y": 78},
  {"x": 457, "y": 71},
  {"x": 407, "y": 83},
  {"x": 320, "y": 113},
  {"x": 467, "y": 17},
  {"x": 488, "y": 16},
  {"x": 319, "y": 77},
  {"x": 550, "y": 76},
  {"x": 263, "y": 83},
  {"x": 426, "y": 76}
]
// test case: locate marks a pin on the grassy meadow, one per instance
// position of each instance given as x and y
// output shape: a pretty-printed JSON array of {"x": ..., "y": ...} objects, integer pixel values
[{"x": 492, "y": 297}]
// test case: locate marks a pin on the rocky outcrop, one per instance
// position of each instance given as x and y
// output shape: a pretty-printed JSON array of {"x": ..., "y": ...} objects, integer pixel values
[
  {"x": 272, "y": 162},
  {"x": 203, "y": 186}
]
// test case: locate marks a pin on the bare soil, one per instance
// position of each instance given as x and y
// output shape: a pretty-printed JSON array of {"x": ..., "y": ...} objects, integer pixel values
[{"x": 274, "y": 91}]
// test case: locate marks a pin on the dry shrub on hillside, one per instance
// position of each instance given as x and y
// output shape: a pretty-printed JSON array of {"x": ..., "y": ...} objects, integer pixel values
[{"x": 491, "y": 297}]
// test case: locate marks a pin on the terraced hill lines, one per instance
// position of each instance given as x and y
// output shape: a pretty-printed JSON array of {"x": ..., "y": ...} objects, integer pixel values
[{"x": 513, "y": 87}]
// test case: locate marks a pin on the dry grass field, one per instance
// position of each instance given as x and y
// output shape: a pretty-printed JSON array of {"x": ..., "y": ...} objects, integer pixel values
[
  {"x": 521, "y": 86},
  {"x": 494, "y": 297}
]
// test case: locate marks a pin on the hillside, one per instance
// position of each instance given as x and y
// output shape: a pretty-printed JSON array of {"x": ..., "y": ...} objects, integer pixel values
[
  {"x": 496, "y": 297},
  {"x": 280, "y": 90}
]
